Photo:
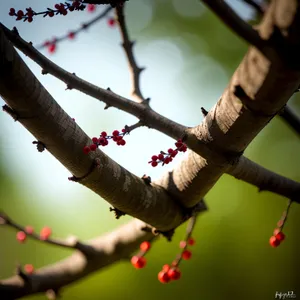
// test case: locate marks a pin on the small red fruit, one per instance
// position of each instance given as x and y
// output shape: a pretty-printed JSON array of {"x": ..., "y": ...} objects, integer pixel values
[
  {"x": 274, "y": 242},
  {"x": 154, "y": 163},
  {"x": 91, "y": 7},
  {"x": 29, "y": 229},
  {"x": 182, "y": 244},
  {"x": 29, "y": 269},
  {"x": 186, "y": 254},
  {"x": 93, "y": 147},
  {"x": 166, "y": 268},
  {"x": 163, "y": 277},
  {"x": 138, "y": 262},
  {"x": 45, "y": 233},
  {"x": 21, "y": 236},
  {"x": 71, "y": 35},
  {"x": 115, "y": 133},
  {"x": 86, "y": 149},
  {"x": 280, "y": 236},
  {"x": 174, "y": 274},
  {"x": 191, "y": 241},
  {"x": 145, "y": 246},
  {"x": 111, "y": 22},
  {"x": 52, "y": 48}
]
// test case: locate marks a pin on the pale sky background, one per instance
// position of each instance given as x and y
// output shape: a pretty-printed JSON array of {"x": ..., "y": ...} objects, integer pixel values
[{"x": 96, "y": 56}]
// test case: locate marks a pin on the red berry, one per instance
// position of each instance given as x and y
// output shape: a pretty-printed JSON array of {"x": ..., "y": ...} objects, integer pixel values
[
  {"x": 274, "y": 242},
  {"x": 186, "y": 254},
  {"x": 280, "y": 236},
  {"x": 93, "y": 147},
  {"x": 20, "y": 13},
  {"x": 111, "y": 22},
  {"x": 138, "y": 262},
  {"x": 21, "y": 236},
  {"x": 163, "y": 277},
  {"x": 91, "y": 7},
  {"x": 95, "y": 140},
  {"x": 174, "y": 153},
  {"x": 12, "y": 12},
  {"x": 71, "y": 35},
  {"x": 154, "y": 157},
  {"x": 145, "y": 246},
  {"x": 182, "y": 244},
  {"x": 29, "y": 269},
  {"x": 174, "y": 274},
  {"x": 103, "y": 134},
  {"x": 166, "y": 268},
  {"x": 160, "y": 156},
  {"x": 122, "y": 142},
  {"x": 45, "y": 233},
  {"x": 153, "y": 163},
  {"x": 29, "y": 229},
  {"x": 115, "y": 133},
  {"x": 52, "y": 48},
  {"x": 170, "y": 151},
  {"x": 191, "y": 241},
  {"x": 86, "y": 149},
  {"x": 57, "y": 6},
  {"x": 50, "y": 14},
  {"x": 29, "y": 19}
]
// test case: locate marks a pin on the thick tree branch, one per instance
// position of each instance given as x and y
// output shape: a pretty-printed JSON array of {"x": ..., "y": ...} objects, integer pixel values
[
  {"x": 64, "y": 139},
  {"x": 200, "y": 174},
  {"x": 105, "y": 250}
]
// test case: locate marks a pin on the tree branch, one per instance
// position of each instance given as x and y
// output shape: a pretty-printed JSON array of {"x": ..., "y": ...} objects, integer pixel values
[
  {"x": 105, "y": 250},
  {"x": 265, "y": 180},
  {"x": 291, "y": 118},
  {"x": 236, "y": 24},
  {"x": 135, "y": 70}
]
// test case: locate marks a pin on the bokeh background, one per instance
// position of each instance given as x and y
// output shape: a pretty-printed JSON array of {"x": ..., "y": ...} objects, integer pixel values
[{"x": 189, "y": 57}]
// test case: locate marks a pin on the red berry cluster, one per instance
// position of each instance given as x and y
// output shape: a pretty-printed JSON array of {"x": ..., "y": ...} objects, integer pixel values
[
  {"x": 139, "y": 260},
  {"x": 21, "y": 236},
  {"x": 60, "y": 9},
  {"x": 277, "y": 237},
  {"x": 169, "y": 273},
  {"x": 103, "y": 140},
  {"x": 166, "y": 158}
]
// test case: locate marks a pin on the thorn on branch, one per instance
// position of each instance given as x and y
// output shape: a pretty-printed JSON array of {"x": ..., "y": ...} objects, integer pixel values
[
  {"x": 44, "y": 72},
  {"x": 15, "y": 31},
  {"x": 146, "y": 179},
  {"x": 107, "y": 106},
  {"x": 204, "y": 111},
  {"x": 39, "y": 145},
  {"x": 11, "y": 112},
  {"x": 118, "y": 213},
  {"x": 167, "y": 234}
]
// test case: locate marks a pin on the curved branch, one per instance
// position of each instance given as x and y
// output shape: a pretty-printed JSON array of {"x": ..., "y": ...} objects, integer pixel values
[
  {"x": 236, "y": 24},
  {"x": 265, "y": 179},
  {"x": 135, "y": 70},
  {"x": 105, "y": 250}
]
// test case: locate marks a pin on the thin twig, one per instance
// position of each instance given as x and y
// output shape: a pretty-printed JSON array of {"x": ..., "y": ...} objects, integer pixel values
[
  {"x": 127, "y": 44},
  {"x": 83, "y": 27},
  {"x": 6, "y": 220},
  {"x": 236, "y": 24}
]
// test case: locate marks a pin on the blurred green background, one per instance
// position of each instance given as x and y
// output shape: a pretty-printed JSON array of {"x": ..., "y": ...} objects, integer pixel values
[{"x": 190, "y": 57}]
